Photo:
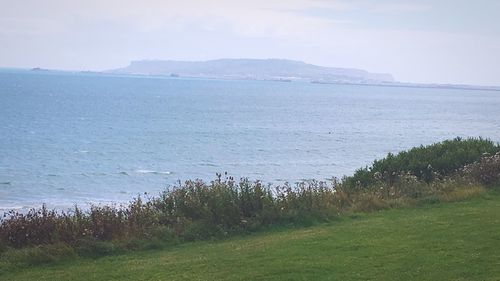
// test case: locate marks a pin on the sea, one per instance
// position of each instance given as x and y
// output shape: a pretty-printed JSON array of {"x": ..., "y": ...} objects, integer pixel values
[{"x": 82, "y": 138}]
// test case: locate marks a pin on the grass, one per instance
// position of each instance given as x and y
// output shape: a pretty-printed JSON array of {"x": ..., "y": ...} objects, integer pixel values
[{"x": 444, "y": 241}]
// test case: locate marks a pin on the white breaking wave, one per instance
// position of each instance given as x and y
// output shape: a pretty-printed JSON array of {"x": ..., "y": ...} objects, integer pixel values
[{"x": 153, "y": 172}]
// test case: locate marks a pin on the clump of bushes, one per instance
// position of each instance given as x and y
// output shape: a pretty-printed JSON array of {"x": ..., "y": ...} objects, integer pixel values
[
  {"x": 427, "y": 163},
  {"x": 197, "y": 210}
]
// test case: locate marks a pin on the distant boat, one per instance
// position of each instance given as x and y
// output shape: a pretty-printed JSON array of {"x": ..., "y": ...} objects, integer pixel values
[{"x": 174, "y": 75}]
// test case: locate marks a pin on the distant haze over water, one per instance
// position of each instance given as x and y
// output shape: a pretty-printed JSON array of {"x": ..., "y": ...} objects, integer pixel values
[{"x": 76, "y": 138}]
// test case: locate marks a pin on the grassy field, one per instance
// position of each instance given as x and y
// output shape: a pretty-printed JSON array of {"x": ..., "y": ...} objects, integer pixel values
[{"x": 448, "y": 241}]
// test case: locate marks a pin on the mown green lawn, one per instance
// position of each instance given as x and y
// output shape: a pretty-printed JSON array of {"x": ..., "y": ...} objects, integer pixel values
[{"x": 449, "y": 241}]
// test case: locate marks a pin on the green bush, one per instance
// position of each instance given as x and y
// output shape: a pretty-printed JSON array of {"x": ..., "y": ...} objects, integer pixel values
[{"x": 425, "y": 162}]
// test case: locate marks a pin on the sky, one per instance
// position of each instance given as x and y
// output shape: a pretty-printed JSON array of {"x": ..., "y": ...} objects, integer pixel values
[{"x": 430, "y": 41}]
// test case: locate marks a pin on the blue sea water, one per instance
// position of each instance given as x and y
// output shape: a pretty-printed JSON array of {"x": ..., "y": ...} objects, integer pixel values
[{"x": 74, "y": 138}]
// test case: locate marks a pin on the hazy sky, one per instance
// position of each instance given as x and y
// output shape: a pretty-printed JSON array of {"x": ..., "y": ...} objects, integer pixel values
[{"x": 448, "y": 41}]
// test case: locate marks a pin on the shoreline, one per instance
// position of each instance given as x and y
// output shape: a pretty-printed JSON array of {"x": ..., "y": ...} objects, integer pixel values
[{"x": 398, "y": 84}]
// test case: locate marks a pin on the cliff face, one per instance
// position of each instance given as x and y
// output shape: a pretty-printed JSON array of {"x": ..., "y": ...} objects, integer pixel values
[{"x": 253, "y": 69}]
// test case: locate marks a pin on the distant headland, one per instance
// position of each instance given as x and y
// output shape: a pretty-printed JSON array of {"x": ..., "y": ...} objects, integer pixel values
[
  {"x": 282, "y": 70},
  {"x": 253, "y": 69}
]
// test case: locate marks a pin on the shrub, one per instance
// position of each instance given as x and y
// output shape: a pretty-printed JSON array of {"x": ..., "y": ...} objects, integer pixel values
[
  {"x": 485, "y": 171},
  {"x": 425, "y": 162},
  {"x": 35, "y": 227}
]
